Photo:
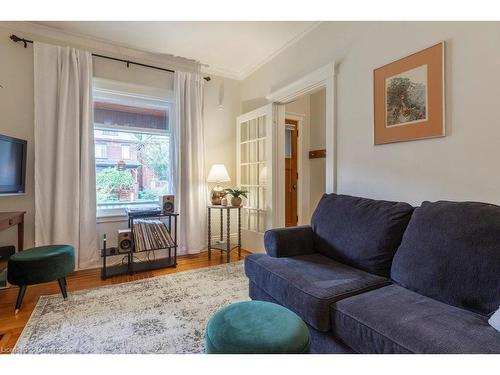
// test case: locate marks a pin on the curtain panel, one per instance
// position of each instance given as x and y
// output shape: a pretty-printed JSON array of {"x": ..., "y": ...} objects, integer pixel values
[
  {"x": 65, "y": 201},
  {"x": 189, "y": 162}
]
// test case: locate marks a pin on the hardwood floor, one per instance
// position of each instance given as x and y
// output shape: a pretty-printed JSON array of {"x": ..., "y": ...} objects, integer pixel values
[{"x": 11, "y": 325}]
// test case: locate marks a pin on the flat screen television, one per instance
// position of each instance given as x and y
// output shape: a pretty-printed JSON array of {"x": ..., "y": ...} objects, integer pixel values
[{"x": 12, "y": 165}]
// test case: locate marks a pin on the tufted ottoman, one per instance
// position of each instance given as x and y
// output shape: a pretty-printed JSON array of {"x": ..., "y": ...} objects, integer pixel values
[
  {"x": 256, "y": 327},
  {"x": 40, "y": 265}
]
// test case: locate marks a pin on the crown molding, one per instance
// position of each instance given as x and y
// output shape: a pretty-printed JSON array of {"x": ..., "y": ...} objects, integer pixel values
[
  {"x": 50, "y": 34},
  {"x": 47, "y": 34},
  {"x": 245, "y": 73}
]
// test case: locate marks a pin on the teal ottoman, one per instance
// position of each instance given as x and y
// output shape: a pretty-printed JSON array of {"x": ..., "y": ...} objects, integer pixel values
[
  {"x": 40, "y": 265},
  {"x": 256, "y": 327}
]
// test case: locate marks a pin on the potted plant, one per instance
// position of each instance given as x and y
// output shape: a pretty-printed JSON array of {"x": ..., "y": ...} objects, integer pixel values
[{"x": 236, "y": 195}]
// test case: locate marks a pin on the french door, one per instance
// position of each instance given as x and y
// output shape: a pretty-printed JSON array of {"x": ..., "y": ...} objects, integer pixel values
[{"x": 257, "y": 151}]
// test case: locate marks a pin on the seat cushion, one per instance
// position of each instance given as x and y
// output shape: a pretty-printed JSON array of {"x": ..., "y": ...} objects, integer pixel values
[
  {"x": 363, "y": 233},
  {"x": 254, "y": 327},
  {"x": 321, "y": 342},
  {"x": 41, "y": 264},
  {"x": 393, "y": 319},
  {"x": 451, "y": 252},
  {"x": 308, "y": 284}
]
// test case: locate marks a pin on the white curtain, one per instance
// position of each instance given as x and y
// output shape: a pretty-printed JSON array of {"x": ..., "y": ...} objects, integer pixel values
[
  {"x": 189, "y": 162},
  {"x": 65, "y": 202}
]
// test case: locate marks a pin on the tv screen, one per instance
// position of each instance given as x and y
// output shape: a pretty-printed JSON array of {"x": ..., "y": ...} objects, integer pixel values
[{"x": 12, "y": 165}]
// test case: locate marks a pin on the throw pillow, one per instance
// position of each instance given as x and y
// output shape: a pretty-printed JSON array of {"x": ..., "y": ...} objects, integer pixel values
[{"x": 495, "y": 320}]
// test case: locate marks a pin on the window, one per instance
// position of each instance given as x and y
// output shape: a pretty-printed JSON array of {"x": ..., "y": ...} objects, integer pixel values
[
  {"x": 126, "y": 152},
  {"x": 101, "y": 151},
  {"x": 132, "y": 140}
]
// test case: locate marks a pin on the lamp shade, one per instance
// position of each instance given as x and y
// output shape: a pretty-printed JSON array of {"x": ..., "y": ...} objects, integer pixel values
[{"x": 218, "y": 173}]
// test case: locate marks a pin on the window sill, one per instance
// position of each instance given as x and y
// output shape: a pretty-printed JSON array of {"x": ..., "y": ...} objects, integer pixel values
[
  {"x": 118, "y": 210},
  {"x": 111, "y": 218}
]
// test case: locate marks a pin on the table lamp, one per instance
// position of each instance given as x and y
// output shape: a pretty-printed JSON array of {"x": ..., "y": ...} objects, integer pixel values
[{"x": 217, "y": 174}]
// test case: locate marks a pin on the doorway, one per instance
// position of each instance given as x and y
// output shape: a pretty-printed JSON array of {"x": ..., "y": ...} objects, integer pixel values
[
  {"x": 304, "y": 156},
  {"x": 291, "y": 172},
  {"x": 264, "y": 174}
]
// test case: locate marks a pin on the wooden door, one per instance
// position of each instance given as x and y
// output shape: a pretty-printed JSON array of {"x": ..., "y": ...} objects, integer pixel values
[{"x": 291, "y": 173}]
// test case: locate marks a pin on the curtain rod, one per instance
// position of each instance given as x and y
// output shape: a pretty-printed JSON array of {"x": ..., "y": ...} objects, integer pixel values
[{"x": 16, "y": 39}]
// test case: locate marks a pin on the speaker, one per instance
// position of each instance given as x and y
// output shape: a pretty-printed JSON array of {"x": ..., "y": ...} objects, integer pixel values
[
  {"x": 124, "y": 240},
  {"x": 167, "y": 203}
]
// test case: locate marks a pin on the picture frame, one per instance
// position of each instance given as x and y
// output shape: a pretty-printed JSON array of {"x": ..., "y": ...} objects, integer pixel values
[{"x": 409, "y": 97}]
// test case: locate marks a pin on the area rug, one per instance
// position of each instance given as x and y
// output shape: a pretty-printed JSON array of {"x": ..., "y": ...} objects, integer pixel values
[{"x": 165, "y": 314}]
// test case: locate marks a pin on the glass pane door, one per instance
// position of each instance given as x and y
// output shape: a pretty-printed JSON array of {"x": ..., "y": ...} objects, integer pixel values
[
  {"x": 253, "y": 173},
  {"x": 254, "y": 151}
]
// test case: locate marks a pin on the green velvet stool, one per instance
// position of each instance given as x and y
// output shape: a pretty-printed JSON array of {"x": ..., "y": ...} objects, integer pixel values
[
  {"x": 256, "y": 327},
  {"x": 40, "y": 265}
]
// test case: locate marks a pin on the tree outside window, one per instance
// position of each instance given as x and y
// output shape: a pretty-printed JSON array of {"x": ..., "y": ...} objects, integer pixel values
[
  {"x": 132, "y": 160},
  {"x": 140, "y": 178}
]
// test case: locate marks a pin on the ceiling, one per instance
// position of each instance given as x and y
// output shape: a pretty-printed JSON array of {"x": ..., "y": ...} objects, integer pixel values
[{"x": 230, "y": 49}]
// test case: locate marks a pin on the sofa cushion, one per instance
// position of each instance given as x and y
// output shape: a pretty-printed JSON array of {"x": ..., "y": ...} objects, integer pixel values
[
  {"x": 393, "y": 319},
  {"x": 308, "y": 284},
  {"x": 451, "y": 252},
  {"x": 363, "y": 233},
  {"x": 321, "y": 342}
]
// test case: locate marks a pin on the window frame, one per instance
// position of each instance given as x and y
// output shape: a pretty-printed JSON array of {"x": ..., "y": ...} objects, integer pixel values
[
  {"x": 134, "y": 95},
  {"x": 104, "y": 147},
  {"x": 129, "y": 151}
]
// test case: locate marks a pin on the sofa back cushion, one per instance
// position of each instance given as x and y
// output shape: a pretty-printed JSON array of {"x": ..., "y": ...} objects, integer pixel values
[
  {"x": 360, "y": 232},
  {"x": 451, "y": 252}
]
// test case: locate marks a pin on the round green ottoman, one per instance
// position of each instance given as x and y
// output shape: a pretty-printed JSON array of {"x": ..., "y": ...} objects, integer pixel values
[
  {"x": 256, "y": 327},
  {"x": 40, "y": 265}
]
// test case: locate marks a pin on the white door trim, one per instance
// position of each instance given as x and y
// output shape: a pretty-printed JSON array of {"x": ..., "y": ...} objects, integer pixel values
[
  {"x": 253, "y": 114},
  {"x": 278, "y": 161},
  {"x": 323, "y": 77}
]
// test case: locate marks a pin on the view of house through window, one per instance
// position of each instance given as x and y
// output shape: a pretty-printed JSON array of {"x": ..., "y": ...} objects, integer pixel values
[{"x": 132, "y": 141}]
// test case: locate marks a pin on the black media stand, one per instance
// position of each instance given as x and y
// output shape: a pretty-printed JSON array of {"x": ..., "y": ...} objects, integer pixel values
[{"x": 130, "y": 264}]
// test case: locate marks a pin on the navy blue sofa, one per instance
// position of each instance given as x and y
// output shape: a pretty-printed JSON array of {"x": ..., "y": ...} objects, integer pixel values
[{"x": 372, "y": 276}]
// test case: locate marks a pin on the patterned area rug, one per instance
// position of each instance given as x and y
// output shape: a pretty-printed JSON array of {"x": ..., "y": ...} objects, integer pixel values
[{"x": 165, "y": 314}]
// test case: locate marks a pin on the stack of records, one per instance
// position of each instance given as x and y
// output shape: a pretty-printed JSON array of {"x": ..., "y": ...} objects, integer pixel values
[{"x": 151, "y": 235}]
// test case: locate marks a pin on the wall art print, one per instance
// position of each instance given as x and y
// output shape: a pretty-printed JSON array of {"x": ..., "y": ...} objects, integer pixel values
[{"x": 409, "y": 97}]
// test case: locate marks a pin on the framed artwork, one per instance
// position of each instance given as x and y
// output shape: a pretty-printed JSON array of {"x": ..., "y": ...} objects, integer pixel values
[{"x": 409, "y": 97}]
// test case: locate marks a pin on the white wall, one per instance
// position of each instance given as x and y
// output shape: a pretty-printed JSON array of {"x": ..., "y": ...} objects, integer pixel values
[
  {"x": 220, "y": 123},
  {"x": 461, "y": 166},
  {"x": 16, "y": 108},
  {"x": 16, "y": 120}
]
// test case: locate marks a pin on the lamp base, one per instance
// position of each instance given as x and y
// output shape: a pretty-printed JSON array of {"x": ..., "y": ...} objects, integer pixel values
[{"x": 216, "y": 195}]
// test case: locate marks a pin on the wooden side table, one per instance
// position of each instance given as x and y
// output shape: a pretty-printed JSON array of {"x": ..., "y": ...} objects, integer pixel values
[
  {"x": 222, "y": 245},
  {"x": 9, "y": 219}
]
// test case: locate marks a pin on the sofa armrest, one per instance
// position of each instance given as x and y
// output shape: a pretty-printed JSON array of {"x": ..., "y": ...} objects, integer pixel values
[{"x": 289, "y": 242}]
